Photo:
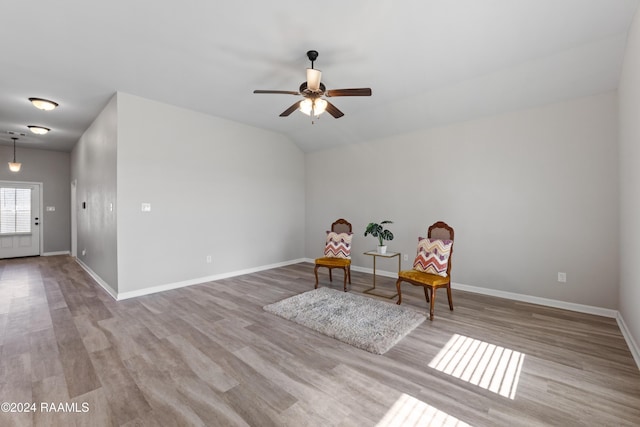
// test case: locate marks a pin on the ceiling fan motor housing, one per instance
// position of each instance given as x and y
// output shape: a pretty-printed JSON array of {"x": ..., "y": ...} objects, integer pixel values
[{"x": 307, "y": 93}]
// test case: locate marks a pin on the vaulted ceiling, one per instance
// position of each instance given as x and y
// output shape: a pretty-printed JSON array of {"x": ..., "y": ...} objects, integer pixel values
[{"x": 428, "y": 62}]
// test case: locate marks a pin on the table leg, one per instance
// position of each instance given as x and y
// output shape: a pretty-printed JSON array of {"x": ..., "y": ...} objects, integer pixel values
[{"x": 374, "y": 272}]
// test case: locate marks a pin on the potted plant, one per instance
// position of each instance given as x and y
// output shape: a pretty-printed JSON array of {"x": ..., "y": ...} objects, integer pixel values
[{"x": 377, "y": 230}]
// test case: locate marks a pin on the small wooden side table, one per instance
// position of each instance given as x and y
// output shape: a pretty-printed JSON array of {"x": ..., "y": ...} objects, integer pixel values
[{"x": 375, "y": 255}]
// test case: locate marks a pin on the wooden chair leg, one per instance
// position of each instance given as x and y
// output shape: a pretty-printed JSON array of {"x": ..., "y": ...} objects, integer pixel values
[
  {"x": 449, "y": 296},
  {"x": 399, "y": 291},
  {"x": 345, "y": 279},
  {"x": 433, "y": 300},
  {"x": 330, "y": 278},
  {"x": 426, "y": 293},
  {"x": 315, "y": 271},
  {"x": 349, "y": 272}
]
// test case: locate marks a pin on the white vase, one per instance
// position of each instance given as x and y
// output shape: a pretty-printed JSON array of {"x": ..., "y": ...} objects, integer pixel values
[{"x": 382, "y": 249}]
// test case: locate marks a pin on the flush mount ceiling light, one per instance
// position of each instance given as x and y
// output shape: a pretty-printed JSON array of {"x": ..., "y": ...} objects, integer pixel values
[
  {"x": 38, "y": 130},
  {"x": 14, "y": 166},
  {"x": 43, "y": 104}
]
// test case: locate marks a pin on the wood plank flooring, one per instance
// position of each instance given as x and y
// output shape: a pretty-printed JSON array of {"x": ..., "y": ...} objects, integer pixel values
[{"x": 209, "y": 355}]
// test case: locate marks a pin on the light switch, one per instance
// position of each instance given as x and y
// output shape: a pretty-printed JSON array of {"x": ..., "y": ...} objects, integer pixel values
[
  {"x": 51, "y": 208},
  {"x": 146, "y": 207}
]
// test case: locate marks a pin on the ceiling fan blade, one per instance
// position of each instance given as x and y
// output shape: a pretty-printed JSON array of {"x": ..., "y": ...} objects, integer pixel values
[
  {"x": 291, "y": 109},
  {"x": 333, "y": 110},
  {"x": 365, "y": 91},
  {"x": 283, "y": 92}
]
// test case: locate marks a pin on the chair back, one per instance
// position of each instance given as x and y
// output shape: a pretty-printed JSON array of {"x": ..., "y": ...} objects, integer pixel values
[
  {"x": 441, "y": 230},
  {"x": 341, "y": 226}
]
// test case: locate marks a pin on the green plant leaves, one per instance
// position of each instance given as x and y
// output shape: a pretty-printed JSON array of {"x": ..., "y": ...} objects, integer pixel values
[{"x": 377, "y": 230}]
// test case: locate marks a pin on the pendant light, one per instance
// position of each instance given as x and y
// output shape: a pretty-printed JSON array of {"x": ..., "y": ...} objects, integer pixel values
[{"x": 14, "y": 166}]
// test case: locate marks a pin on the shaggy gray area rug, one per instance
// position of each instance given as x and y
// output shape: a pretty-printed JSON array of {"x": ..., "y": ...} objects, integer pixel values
[{"x": 366, "y": 323}]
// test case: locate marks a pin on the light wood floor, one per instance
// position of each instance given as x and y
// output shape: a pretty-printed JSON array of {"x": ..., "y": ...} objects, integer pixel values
[{"x": 209, "y": 355}]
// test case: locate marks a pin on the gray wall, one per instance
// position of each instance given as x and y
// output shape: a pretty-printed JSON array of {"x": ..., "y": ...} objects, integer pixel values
[
  {"x": 93, "y": 167},
  {"x": 215, "y": 187},
  {"x": 51, "y": 168},
  {"x": 529, "y": 193},
  {"x": 629, "y": 94}
]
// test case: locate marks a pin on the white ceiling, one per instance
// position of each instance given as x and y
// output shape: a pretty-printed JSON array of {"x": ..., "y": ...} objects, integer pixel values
[{"x": 428, "y": 62}]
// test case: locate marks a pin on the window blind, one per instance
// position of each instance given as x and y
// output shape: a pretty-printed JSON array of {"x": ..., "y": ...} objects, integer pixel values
[{"x": 15, "y": 210}]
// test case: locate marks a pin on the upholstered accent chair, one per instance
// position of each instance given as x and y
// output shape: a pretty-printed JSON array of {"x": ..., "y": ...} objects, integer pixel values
[
  {"x": 337, "y": 252},
  {"x": 432, "y": 266}
]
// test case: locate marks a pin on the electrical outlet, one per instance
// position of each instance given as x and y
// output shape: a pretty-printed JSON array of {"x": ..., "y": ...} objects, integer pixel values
[
  {"x": 209, "y": 259},
  {"x": 84, "y": 252},
  {"x": 562, "y": 277},
  {"x": 406, "y": 257}
]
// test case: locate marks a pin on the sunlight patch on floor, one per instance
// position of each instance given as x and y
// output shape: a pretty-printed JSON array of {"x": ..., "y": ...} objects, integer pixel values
[
  {"x": 489, "y": 366},
  {"x": 408, "y": 411}
]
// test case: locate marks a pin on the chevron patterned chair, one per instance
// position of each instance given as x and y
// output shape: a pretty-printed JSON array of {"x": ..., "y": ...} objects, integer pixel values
[
  {"x": 432, "y": 266},
  {"x": 337, "y": 251}
]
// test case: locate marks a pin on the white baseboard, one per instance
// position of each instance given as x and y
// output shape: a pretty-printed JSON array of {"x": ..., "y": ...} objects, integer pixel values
[
  {"x": 98, "y": 279},
  {"x": 56, "y": 253},
  {"x": 581, "y": 308},
  {"x": 196, "y": 281},
  {"x": 633, "y": 346}
]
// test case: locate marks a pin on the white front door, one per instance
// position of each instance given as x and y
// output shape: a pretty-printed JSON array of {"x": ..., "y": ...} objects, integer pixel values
[{"x": 19, "y": 219}]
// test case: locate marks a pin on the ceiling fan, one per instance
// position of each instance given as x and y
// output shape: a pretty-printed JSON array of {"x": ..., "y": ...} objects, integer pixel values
[{"x": 313, "y": 91}]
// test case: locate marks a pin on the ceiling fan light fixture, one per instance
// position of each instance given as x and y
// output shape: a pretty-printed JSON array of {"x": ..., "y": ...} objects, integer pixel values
[
  {"x": 38, "y": 130},
  {"x": 306, "y": 105},
  {"x": 43, "y": 104},
  {"x": 319, "y": 106},
  {"x": 313, "y": 107},
  {"x": 313, "y": 79}
]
